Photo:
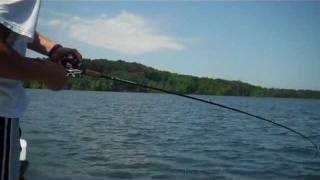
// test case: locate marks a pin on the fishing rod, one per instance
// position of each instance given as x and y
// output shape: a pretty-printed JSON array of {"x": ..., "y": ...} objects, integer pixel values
[{"x": 73, "y": 70}]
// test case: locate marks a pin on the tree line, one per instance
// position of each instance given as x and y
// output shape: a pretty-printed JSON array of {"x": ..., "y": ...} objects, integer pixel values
[{"x": 170, "y": 81}]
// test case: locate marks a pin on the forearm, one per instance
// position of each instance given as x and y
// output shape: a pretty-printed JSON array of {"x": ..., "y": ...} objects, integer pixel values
[
  {"x": 41, "y": 44},
  {"x": 14, "y": 66}
]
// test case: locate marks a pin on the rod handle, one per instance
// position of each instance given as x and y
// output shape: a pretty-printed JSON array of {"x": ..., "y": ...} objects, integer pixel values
[{"x": 92, "y": 73}]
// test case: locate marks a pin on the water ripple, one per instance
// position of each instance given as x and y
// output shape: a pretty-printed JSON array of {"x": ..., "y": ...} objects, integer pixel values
[{"x": 155, "y": 136}]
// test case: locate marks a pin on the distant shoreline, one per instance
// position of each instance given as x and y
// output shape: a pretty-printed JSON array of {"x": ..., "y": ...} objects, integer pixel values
[
  {"x": 45, "y": 89},
  {"x": 184, "y": 84}
]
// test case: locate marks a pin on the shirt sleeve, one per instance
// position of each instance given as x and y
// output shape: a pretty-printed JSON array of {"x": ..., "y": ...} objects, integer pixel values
[{"x": 20, "y": 16}]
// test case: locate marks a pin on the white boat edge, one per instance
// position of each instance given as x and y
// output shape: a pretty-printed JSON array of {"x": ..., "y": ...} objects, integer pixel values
[
  {"x": 23, "y": 157},
  {"x": 23, "y": 153}
]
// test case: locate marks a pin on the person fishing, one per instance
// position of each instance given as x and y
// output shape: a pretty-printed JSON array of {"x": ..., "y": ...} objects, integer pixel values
[{"x": 18, "y": 20}]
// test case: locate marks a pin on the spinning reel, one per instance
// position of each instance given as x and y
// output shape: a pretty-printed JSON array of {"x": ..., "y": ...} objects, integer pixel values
[{"x": 72, "y": 65}]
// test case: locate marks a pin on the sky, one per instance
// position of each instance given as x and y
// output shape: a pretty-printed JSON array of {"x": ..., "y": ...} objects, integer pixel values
[{"x": 270, "y": 44}]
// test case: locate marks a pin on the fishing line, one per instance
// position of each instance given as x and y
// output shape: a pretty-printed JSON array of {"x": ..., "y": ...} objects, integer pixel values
[{"x": 105, "y": 76}]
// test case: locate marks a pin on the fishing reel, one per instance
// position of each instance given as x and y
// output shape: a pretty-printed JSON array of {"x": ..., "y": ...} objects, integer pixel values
[{"x": 71, "y": 65}]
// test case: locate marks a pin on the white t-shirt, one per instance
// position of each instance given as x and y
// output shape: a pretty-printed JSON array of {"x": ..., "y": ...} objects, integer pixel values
[{"x": 20, "y": 16}]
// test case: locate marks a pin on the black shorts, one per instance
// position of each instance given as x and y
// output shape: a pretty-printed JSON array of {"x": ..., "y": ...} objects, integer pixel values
[{"x": 9, "y": 149}]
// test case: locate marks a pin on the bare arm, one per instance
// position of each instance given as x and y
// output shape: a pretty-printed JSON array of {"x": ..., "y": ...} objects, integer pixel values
[
  {"x": 14, "y": 66},
  {"x": 41, "y": 44}
]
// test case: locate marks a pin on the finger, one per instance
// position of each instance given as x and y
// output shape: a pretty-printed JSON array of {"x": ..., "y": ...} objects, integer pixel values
[{"x": 78, "y": 55}]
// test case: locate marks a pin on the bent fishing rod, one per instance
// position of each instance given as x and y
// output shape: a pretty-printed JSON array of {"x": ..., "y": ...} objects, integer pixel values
[{"x": 73, "y": 70}]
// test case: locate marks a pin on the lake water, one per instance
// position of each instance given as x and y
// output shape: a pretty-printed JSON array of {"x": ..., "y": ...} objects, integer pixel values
[{"x": 110, "y": 135}]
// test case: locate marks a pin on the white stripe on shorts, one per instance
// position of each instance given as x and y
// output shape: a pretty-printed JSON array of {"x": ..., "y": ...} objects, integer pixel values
[
  {"x": 3, "y": 163},
  {"x": 10, "y": 164}
]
